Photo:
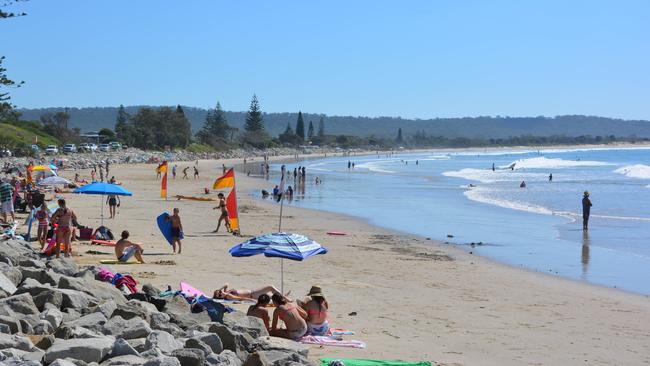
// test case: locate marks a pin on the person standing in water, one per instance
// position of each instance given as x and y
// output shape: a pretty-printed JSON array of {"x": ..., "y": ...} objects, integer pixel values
[
  {"x": 550, "y": 177},
  {"x": 586, "y": 210}
]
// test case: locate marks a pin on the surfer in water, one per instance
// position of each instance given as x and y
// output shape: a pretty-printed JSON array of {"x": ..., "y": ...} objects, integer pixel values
[
  {"x": 224, "y": 213},
  {"x": 522, "y": 185},
  {"x": 125, "y": 249},
  {"x": 177, "y": 230},
  {"x": 586, "y": 210},
  {"x": 550, "y": 177}
]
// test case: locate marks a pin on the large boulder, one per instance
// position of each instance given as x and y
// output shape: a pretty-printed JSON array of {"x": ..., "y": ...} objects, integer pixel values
[
  {"x": 163, "y": 341},
  {"x": 279, "y": 344},
  {"x": 198, "y": 344},
  {"x": 12, "y": 273},
  {"x": 127, "y": 329},
  {"x": 212, "y": 340},
  {"x": 15, "y": 341},
  {"x": 53, "y": 315},
  {"x": 7, "y": 287},
  {"x": 92, "y": 321},
  {"x": 42, "y": 327},
  {"x": 84, "y": 349},
  {"x": 242, "y": 323},
  {"x": 275, "y": 358},
  {"x": 162, "y": 361},
  {"x": 94, "y": 288},
  {"x": 48, "y": 296},
  {"x": 11, "y": 322},
  {"x": 68, "y": 332},
  {"x": 63, "y": 362},
  {"x": 123, "y": 348},
  {"x": 76, "y": 299},
  {"x": 64, "y": 266},
  {"x": 18, "y": 306},
  {"x": 135, "y": 308},
  {"x": 31, "y": 262},
  {"x": 232, "y": 340},
  {"x": 106, "y": 307},
  {"x": 225, "y": 358},
  {"x": 127, "y": 360},
  {"x": 41, "y": 275},
  {"x": 189, "y": 356}
]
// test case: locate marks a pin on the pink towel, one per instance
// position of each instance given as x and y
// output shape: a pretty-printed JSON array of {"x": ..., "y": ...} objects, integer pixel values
[{"x": 330, "y": 341}]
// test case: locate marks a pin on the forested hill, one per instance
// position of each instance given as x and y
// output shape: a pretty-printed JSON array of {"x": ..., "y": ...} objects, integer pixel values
[{"x": 88, "y": 119}]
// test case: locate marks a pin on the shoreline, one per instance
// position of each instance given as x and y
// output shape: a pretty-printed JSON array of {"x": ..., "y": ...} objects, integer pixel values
[{"x": 415, "y": 299}]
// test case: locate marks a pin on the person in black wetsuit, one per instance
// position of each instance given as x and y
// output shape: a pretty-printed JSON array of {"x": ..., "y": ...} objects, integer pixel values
[{"x": 586, "y": 210}]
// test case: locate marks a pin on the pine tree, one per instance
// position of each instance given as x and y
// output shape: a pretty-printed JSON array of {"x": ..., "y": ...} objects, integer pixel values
[
  {"x": 310, "y": 131},
  {"x": 399, "y": 136},
  {"x": 180, "y": 110},
  {"x": 254, "y": 120},
  {"x": 321, "y": 128},
  {"x": 215, "y": 124},
  {"x": 300, "y": 126},
  {"x": 121, "y": 127}
]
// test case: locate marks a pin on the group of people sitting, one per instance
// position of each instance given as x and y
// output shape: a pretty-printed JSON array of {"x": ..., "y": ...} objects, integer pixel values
[{"x": 300, "y": 317}]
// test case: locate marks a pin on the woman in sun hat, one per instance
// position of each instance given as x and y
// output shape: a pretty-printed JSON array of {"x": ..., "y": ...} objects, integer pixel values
[{"x": 316, "y": 308}]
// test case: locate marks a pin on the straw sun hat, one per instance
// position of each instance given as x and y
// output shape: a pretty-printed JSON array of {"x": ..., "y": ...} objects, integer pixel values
[{"x": 315, "y": 291}]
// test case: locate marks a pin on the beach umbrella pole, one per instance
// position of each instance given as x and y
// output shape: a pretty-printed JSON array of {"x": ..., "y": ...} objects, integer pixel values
[
  {"x": 281, "y": 259},
  {"x": 102, "y": 210}
]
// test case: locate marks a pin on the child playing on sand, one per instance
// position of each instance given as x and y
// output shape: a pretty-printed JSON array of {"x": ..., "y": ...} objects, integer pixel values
[
  {"x": 42, "y": 217},
  {"x": 177, "y": 230},
  {"x": 125, "y": 249}
]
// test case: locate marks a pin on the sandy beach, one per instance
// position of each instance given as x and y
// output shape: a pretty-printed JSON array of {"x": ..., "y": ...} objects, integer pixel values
[{"x": 414, "y": 299}]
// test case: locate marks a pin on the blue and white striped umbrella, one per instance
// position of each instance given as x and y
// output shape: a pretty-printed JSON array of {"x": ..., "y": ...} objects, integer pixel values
[{"x": 282, "y": 245}]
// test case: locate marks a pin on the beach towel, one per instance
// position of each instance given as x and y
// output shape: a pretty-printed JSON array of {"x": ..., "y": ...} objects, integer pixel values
[
  {"x": 340, "y": 331},
  {"x": 105, "y": 275},
  {"x": 125, "y": 283},
  {"x": 331, "y": 341},
  {"x": 360, "y": 362}
]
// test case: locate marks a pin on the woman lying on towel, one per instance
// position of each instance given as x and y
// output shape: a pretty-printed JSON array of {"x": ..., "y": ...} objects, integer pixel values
[
  {"x": 316, "y": 308},
  {"x": 293, "y": 317},
  {"x": 228, "y": 293}
]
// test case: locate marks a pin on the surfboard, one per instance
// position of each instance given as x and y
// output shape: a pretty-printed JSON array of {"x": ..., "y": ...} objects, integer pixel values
[
  {"x": 115, "y": 261},
  {"x": 179, "y": 197},
  {"x": 108, "y": 243},
  {"x": 188, "y": 290},
  {"x": 165, "y": 227},
  {"x": 338, "y": 233}
]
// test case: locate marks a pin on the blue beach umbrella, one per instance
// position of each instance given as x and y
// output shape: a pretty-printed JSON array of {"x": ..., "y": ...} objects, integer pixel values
[
  {"x": 281, "y": 245},
  {"x": 102, "y": 189}
]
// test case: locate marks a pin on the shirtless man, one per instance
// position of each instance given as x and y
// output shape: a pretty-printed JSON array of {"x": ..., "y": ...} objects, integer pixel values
[
  {"x": 196, "y": 173},
  {"x": 259, "y": 310},
  {"x": 125, "y": 249},
  {"x": 224, "y": 213},
  {"x": 177, "y": 230},
  {"x": 63, "y": 218},
  {"x": 185, "y": 172}
]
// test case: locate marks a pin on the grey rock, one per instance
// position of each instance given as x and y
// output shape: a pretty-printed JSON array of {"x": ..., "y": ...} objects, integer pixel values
[
  {"x": 151, "y": 290},
  {"x": 225, "y": 358},
  {"x": 127, "y": 329},
  {"x": 64, "y": 266},
  {"x": 12, "y": 273},
  {"x": 138, "y": 344},
  {"x": 163, "y": 341},
  {"x": 124, "y": 360},
  {"x": 42, "y": 275},
  {"x": 234, "y": 341},
  {"x": 19, "y": 362},
  {"x": 67, "y": 332},
  {"x": 12, "y": 323},
  {"x": 70, "y": 314},
  {"x": 158, "y": 318},
  {"x": 242, "y": 323},
  {"x": 92, "y": 321},
  {"x": 27, "y": 323},
  {"x": 15, "y": 341},
  {"x": 4, "y": 328},
  {"x": 43, "y": 327},
  {"x": 12, "y": 353},
  {"x": 189, "y": 357},
  {"x": 18, "y": 305},
  {"x": 275, "y": 358},
  {"x": 212, "y": 340},
  {"x": 54, "y": 316},
  {"x": 63, "y": 362},
  {"x": 97, "y": 289},
  {"x": 123, "y": 348},
  {"x": 135, "y": 308},
  {"x": 107, "y": 308},
  {"x": 170, "y": 328},
  {"x": 84, "y": 349},
  {"x": 36, "y": 356},
  {"x": 76, "y": 299},
  {"x": 6, "y": 285},
  {"x": 198, "y": 344},
  {"x": 52, "y": 297},
  {"x": 163, "y": 361},
  {"x": 31, "y": 262},
  {"x": 279, "y": 344}
]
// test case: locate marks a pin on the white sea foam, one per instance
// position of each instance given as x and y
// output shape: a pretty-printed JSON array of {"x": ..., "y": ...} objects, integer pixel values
[
  {"x": 551, "y": 163},
  {"x": 374, "y": 166},
  {"x": 317, "y": 166},
  {"x": 489, "y": 176},
  {"x": 639, "y": 171}
]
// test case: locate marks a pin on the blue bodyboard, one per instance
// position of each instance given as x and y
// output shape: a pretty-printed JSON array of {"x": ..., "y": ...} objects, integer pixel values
[{"x": 165, "y": 227}]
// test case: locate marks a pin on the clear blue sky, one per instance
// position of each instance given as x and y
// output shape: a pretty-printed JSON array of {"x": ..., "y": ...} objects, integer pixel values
[{"x": 375, "y": 58}]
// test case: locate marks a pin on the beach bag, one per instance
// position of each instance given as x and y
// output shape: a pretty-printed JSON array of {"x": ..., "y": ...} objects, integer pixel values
[{"x": 85, "y": 233}]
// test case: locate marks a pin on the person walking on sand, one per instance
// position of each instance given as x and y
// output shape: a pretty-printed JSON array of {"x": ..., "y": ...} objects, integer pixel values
[
  {"x": 174, "y": 172},
  {"x": 113, "y": 202},
  {"x": 125, "y": 249},
  {"x": 63, "y": 218},
  {"x": 177, "y": 230},
  {"x": 224, "y": 213},
  {"x": 185, "y": 172},
  {"x": 6, "y": 201},
  {"x": 223, "y": 167},
  {"x": 196, "y": 172},
  {"x": 586, "y": 210}
]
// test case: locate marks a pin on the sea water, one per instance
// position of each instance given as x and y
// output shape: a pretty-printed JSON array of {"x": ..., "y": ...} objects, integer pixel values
[{"x": 457, "y": 197}]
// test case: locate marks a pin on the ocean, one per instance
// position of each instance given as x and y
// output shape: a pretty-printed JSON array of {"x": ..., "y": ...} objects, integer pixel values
[{"x": 456, "y": 197}]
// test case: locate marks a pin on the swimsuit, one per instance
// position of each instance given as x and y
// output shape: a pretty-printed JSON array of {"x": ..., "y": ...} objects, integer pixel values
[
  {"x": 318, "y": 329},
  {"x": 176, "y": 232},
  {"x": 127, "y": 254},
  {"x": 112, "y": 201}
]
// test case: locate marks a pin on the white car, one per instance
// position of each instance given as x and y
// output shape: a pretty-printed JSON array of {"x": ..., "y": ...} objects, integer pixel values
[
  {"x": 52, "y": 149},
  {"x": 92, "y": 147},
  {"x": 104, "y": 148},
  {"x": 69, "y": 148},
  {"x": 85, "y": 147}
]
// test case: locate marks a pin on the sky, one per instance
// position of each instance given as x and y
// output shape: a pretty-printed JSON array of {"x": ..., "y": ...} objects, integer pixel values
[{"x": 414, "y": 59}]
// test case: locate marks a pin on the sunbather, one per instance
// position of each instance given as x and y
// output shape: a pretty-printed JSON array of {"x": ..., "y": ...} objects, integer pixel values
[
  {"x": 125, "y": 249},
  {"x": 225, "y": 292},
  {"x": 293, "y": 317},
  {"x": 259, "y": 310},
  {"x": 316, "y": 308}
]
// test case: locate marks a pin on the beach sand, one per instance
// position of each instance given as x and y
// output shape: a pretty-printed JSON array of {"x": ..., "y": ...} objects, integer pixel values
[{"x": 414, "y": 299}]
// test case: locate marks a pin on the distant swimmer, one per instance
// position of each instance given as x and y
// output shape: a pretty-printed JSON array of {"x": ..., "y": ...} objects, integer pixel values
[
  {"x": 586, "y": 210},
  {"x": 512, "y": 167},
  {"x": 550, "y": 177},
  {"x": 349, "y": 164},
  {"x": 522, "y": 185},
  {"x": 417, "y": 162},
  {"x": 492, "y": 166}
]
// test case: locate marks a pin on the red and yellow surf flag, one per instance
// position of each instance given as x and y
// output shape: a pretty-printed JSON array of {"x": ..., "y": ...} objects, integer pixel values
[
  {"x": 231, "y": 206},
  {"x": 162, "y": 169},
  {"x": 225, "y": 181}
]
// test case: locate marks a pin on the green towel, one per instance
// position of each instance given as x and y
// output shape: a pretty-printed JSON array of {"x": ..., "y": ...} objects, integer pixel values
[{"x": 357, "y": 362}]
